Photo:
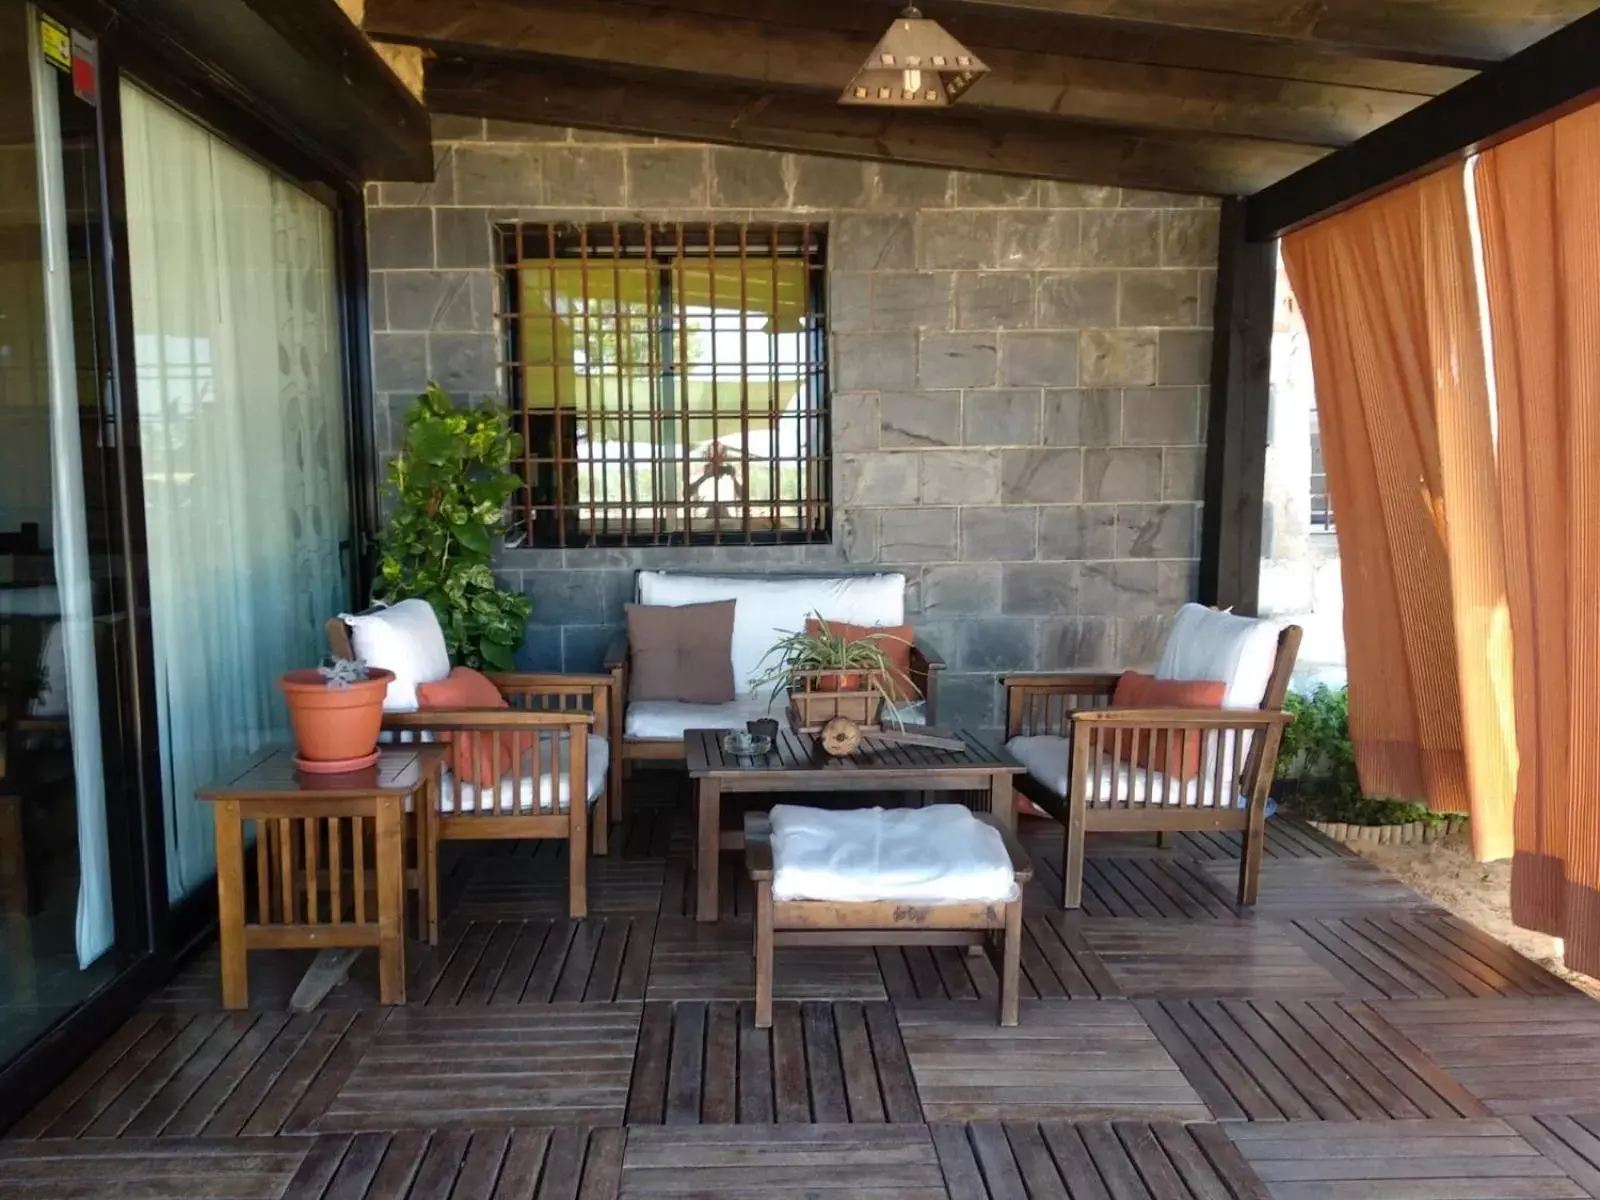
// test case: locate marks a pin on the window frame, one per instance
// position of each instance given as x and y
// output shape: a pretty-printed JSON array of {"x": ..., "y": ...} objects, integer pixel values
[{"x": 667, "y": 244}]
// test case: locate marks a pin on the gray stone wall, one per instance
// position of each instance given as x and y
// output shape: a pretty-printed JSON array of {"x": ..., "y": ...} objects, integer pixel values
[{"x": 1018, "y": 373}]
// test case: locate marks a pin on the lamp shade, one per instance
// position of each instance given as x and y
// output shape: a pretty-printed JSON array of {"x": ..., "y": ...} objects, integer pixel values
[{"x": 915, "y": 65}]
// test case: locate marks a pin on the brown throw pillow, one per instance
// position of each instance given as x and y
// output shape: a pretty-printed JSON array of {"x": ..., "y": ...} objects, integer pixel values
[{"x": 682, "y": 652}]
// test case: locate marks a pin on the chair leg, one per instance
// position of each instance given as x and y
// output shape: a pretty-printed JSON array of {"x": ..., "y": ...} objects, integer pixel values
[
  {"x": 1163, "y": 839},
  {"x": 763, "y": 953},
  {"x": 578, "y": 871},
  {"x": 1072, "y": 864},
  {"x": 1250, "y": 859},
  {"x": 601, "y": 833},
  {"x": 1011, "y": 965}
]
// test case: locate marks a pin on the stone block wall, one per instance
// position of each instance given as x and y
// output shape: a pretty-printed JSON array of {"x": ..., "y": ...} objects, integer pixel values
[{"x": 1018, "y": 382}]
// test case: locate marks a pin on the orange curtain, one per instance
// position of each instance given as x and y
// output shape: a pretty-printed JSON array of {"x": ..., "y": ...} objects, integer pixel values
[
  {"x": 1539, "y": 208},
  {"x": 1389, "y": 299}
]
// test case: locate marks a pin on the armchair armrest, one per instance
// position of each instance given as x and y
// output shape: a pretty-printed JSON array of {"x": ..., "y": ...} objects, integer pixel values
[
  {"x": 488, "y": 720},
  {"x": 1044, "y": 703},
  {"x": 926, "y": 664},
  {"x": 926, "y": 657}
]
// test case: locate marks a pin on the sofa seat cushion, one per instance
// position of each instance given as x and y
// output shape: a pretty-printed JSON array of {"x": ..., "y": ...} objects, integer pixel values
[
  {"x": 666, "y": 720},
  {"x": 939, "y": 854},
  {"x": 1049, "y": 762},
  {"x": 520, "y": 793},
  {"x": 769, "y": 606}
]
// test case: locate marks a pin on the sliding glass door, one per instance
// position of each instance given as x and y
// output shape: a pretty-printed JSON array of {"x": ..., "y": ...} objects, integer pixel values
[
  {"x": 63, "y": 609},
  {"x": 241, "y": 428}
]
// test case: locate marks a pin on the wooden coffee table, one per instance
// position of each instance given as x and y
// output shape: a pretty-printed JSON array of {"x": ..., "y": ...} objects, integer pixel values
[
  {"x": 797, "y": 764},
  {"x": 329, "y": 858}
]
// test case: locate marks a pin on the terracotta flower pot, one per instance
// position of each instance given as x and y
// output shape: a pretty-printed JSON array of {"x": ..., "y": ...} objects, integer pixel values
[{"x": 335, "y": 728}]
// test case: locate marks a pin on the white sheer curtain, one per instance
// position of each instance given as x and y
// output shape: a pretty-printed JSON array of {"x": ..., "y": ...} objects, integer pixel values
[{"x": 242, "y": 434}]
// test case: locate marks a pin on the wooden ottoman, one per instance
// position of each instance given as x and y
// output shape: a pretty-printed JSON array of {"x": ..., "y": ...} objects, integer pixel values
[{"x": 974, "y": 924}]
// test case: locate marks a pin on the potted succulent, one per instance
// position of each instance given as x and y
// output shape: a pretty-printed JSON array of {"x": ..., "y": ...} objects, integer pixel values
[
  {"x": 336, "y": 711},
  {"x": 824, "y": 663}
]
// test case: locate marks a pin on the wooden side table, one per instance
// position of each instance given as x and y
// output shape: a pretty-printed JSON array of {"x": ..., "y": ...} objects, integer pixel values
[{"x": 329, "y": 857}]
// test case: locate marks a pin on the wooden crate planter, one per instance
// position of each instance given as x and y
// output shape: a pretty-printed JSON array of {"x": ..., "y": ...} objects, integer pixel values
[
  {"x": 1411, "y": 831},
  {"x": 811, "y": 707}
]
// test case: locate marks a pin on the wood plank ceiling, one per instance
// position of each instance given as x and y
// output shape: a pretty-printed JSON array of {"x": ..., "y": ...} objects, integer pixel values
[{"x": 1216, "y": 96}]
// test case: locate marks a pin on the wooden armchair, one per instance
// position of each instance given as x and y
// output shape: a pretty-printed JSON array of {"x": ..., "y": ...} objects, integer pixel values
[
  {"x": 1084, "y": 772},
  {"x": 554, "y": 730}
]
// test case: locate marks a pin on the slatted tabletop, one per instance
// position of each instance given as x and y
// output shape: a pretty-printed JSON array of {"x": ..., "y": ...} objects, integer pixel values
[{"x": 795, "y": 753}]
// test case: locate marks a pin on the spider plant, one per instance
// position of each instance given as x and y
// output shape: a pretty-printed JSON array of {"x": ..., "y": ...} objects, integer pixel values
[{"x": 827, "y": 651}]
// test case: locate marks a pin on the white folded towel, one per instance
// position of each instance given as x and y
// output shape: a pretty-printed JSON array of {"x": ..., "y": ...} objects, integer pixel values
[{"x": 940, "y": 854}]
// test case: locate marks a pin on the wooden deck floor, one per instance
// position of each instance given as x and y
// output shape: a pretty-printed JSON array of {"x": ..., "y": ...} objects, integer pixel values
[{"x": 1345, "y": 1040}]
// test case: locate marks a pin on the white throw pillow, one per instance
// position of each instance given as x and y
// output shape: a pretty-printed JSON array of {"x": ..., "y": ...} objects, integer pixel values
[{"x": 404, "y": 638}]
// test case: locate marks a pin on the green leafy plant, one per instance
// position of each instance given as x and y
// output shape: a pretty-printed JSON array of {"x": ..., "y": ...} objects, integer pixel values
[
  {"x": 452, "y": 481},
  {"x": 829, "y": 651},
  {"x": 1317, "y": 761}
]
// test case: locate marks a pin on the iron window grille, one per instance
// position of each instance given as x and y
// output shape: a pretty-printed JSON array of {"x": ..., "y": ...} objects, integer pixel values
[{"x": 669, "y": 383}]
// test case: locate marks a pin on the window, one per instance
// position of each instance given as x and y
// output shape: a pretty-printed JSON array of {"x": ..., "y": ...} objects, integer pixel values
[{"x": 668, "y": 382}]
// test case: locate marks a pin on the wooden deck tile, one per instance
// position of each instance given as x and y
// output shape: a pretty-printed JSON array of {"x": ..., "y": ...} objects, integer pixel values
[
  {"x": 1133, "y": 885},
  {"x": 460, "y": 1067},
  {"x": 1067, "y": 1060},
  {"x": 706, "y": 1063},
  {"x": 1120, "y": 1160},
  {"x": 1316, "y": 887},
  {"x": 514, "y": 889},
  {"x": 853, "y": 1162},
  {"x": 1056, "y": 964},
  {"x": 1519, "y": 1055},
  {"x": 1193, "y": 959},
  {"x": 1400, "y": 1160},
  {"x": 1429, "y": 955},
  {"x": 1287, "y": 837},
  {"x": 1300, "y": 1060},
  {"x": 218, "y": 1076},
  {"x": 546, "y": 960},
  {"x": 169, "y": 1168},
  {"x": 714, "y": 962}
]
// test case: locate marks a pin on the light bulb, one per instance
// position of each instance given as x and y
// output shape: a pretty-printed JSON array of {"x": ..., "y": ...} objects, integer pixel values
[{"x": 912, "y": 79}]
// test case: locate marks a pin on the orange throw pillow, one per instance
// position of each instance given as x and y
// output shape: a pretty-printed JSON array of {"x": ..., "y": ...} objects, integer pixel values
[
  {"x": 1174, "y": 753},
  {"x": 472, "y": 754},
  {"x": 894, "y": 640}
]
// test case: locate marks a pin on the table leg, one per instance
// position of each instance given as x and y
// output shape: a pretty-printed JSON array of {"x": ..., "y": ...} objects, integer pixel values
[
  {"x": 763, "y": 954},
  {"x": 391, "y": 872},
  {"x": 1003, "y": 800},
  {"x": 230, "y": 905},
  {"x": 708, "y": 806}
]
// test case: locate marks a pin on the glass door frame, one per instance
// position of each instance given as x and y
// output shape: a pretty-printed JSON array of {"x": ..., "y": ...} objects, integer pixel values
[{"x": 134, "y": 796}]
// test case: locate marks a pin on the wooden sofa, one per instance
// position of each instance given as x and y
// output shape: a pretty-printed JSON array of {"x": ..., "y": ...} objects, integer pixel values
[
  {"x": 768, "y": 607},
  {"x": 1075, "y": 746}
]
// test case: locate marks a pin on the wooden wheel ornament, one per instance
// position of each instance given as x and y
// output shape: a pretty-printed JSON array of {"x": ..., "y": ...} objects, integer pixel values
[{"x": 840, "y": 736}]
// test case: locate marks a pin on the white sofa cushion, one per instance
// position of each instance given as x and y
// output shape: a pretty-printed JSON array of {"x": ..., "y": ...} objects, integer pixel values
[
  {"x": 1049, "y": 761},
  {"x": 940, "y": 854},
  {"x": 464, "y": 797},
  {"x": 404, "y": 638},
  {"x": 1207, "y": 644},
  {"x": 650, "y": 720},
  {"x": 769, "y": 606}
]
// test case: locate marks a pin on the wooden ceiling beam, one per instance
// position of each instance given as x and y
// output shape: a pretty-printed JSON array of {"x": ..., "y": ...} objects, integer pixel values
[
  {"x": 1458, "y": 33},
  {"x": 1137, "y": 95},
  {"x": 735, "y": 113},
  {"x": 993, "y": 28},
  {"x": 1549, "y": 78}
]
